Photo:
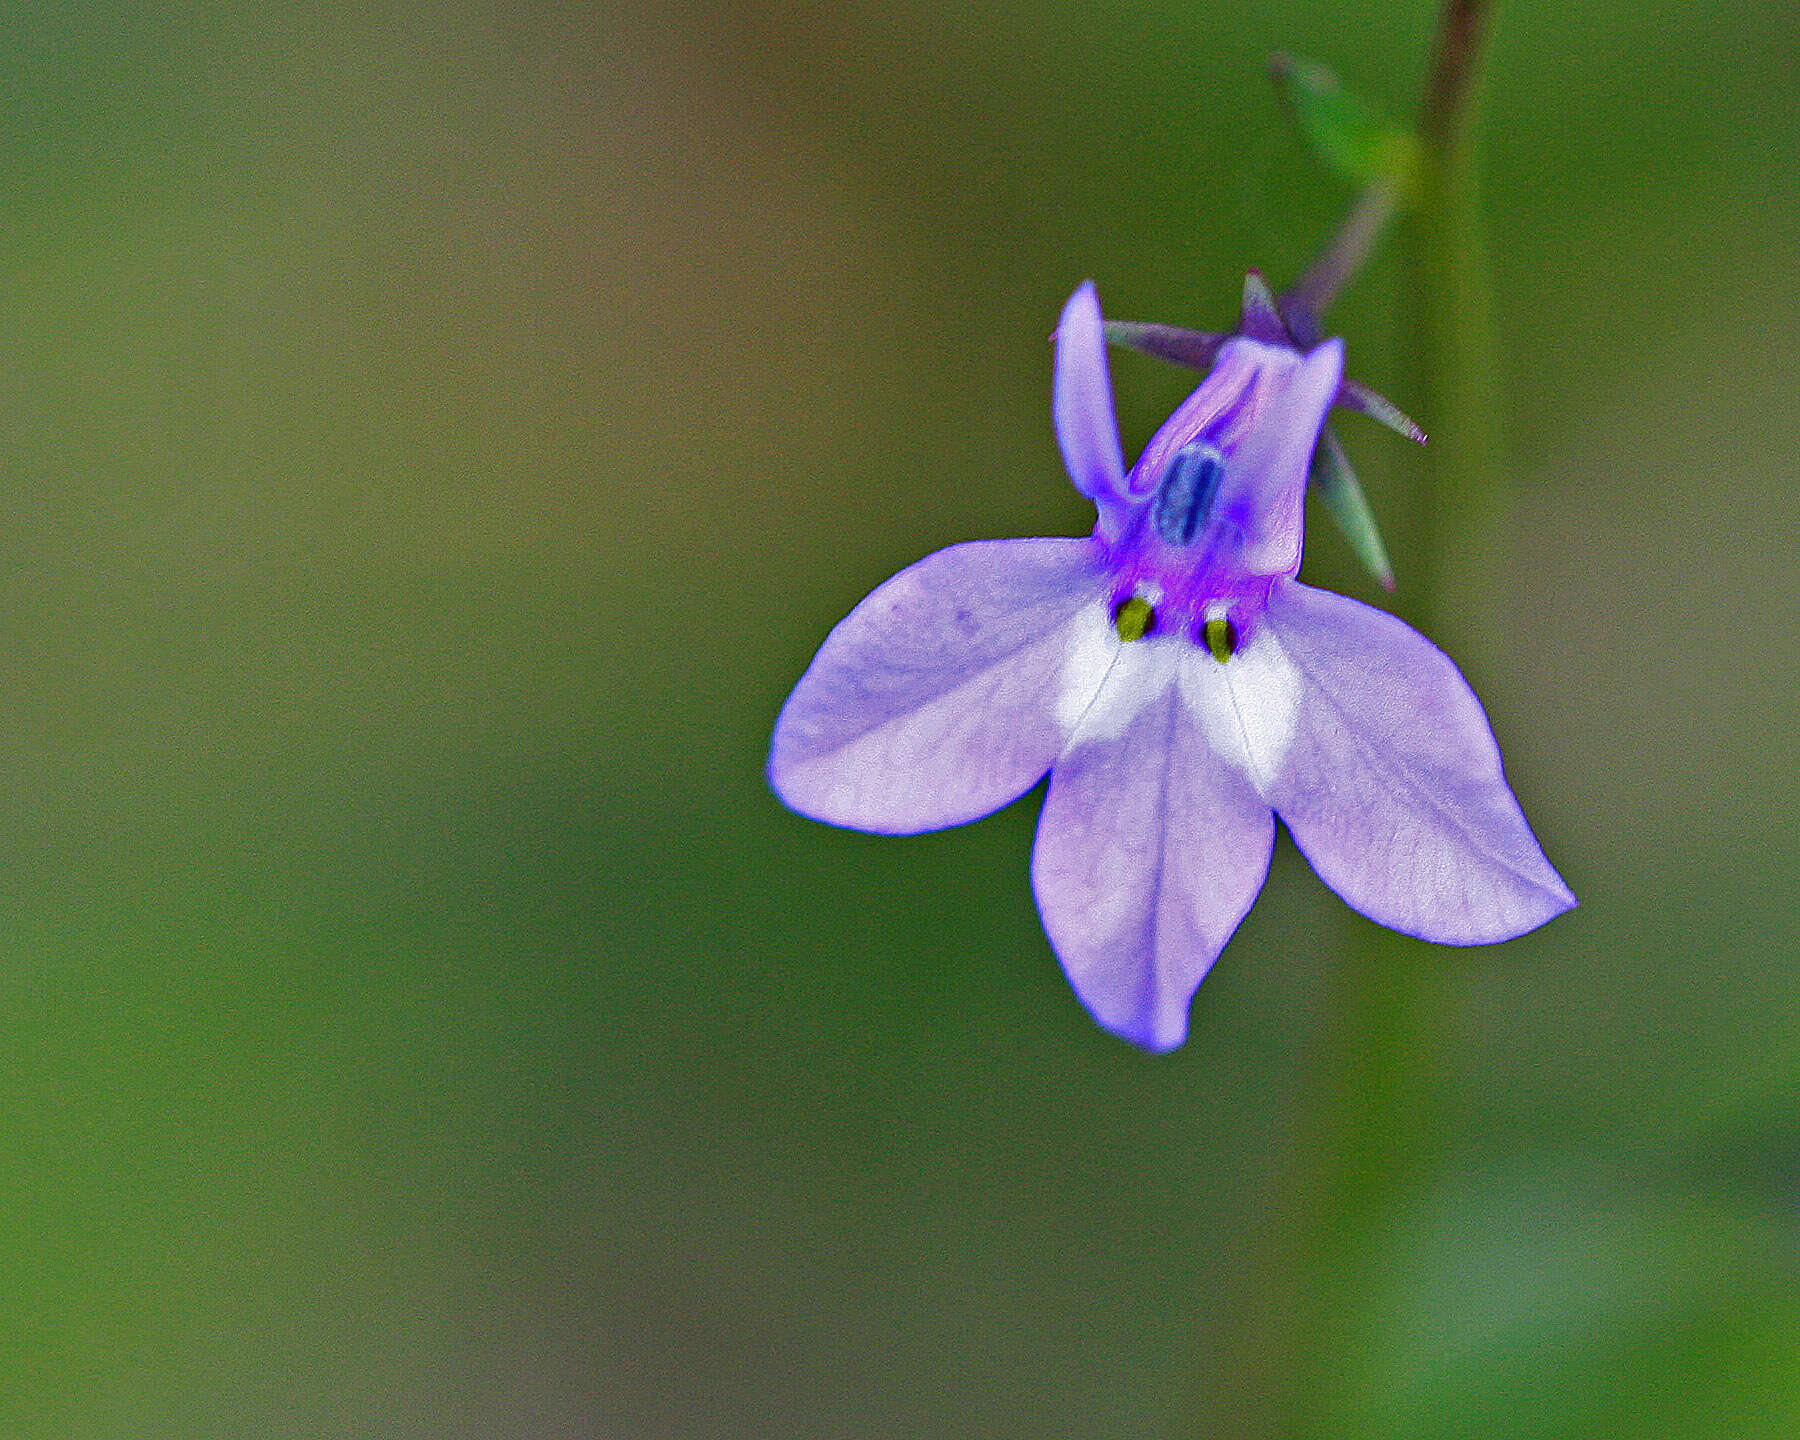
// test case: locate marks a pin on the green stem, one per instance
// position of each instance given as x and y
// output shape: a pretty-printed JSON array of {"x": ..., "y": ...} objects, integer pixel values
[
  {"x": 1462, "y": 498},
  {"x": 1382, "y": 1119},
  {"x": 1372, "y": 1131}
]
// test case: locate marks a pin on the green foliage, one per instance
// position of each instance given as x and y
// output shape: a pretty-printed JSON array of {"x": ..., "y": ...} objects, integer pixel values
[
  {"x": 1542, "y": 1304},
  {"x": 1354, "y": 139}
]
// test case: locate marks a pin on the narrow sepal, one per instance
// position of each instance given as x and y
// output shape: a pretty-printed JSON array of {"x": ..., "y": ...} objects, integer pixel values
[
  {"x": 1352, "y": 138},
  {"x": 1196, "y": 349},
  {"x": 1262, "y": 319},
  {"x": 1349, "y": 508},
  {"x": 1365, "y": 401}
]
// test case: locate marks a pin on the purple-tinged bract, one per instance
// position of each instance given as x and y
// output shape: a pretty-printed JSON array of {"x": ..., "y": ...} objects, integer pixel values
[{"x": 1182, "y": 688}]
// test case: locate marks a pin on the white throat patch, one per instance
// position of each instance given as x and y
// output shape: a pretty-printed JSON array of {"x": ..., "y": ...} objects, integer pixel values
[{"x": 1246, "y": 708}]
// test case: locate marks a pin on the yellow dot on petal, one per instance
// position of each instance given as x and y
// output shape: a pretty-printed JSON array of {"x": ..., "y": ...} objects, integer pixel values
[
  {"x": 1134, "y": 618},
  {"x": 1221, "y": 638}
]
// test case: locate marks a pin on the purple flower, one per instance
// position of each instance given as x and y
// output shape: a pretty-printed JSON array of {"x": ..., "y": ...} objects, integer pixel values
[{"x": 1183, "y": 689}]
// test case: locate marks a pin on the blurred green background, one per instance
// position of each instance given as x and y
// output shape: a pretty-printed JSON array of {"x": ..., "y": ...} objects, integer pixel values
[{"x": 434, "y": 438}]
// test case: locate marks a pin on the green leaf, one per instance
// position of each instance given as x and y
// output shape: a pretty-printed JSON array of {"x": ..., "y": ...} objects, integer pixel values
[{"x": 1353, "y": 139}]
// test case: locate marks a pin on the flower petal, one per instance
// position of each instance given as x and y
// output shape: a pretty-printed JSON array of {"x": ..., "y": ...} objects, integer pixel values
[
  {"x": 1243, "y": 370},
  {"x": 1392, "y": 783},
  {"x": 1266, "y": 481},
  {"x": 1082, "y": 404},
  {"x": 934, "y": 701},
  {"x": 1149, "y": 851}
]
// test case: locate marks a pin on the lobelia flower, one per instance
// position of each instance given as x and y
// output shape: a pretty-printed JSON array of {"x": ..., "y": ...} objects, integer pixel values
[{"x": 1182, "y": 688}]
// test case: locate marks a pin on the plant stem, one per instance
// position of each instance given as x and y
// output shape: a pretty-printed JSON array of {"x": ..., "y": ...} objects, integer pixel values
[
  {"x": 1461, "y": 499},
  {"x": 1371, "y": 1131},
  {"x": 1381, "y": 1125},
  {"x": 1447, "y": 114}
]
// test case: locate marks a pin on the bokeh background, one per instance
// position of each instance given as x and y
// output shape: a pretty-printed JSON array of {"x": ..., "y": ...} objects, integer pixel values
[{"x": 434, "y": 437}]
